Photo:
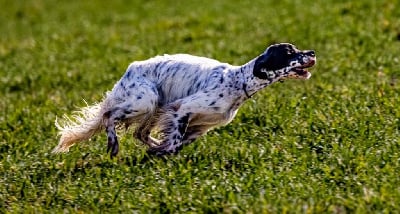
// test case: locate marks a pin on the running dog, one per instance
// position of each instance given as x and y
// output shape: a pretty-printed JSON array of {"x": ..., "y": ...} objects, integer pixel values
[{"x": 182, "y": 96}]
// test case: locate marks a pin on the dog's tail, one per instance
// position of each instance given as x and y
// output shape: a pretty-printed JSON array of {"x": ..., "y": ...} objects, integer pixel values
[{"x": 79, "y": 127}]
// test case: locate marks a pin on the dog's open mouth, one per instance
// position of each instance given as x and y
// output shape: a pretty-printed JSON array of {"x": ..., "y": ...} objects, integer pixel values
[{"x": 302, "y": 70}]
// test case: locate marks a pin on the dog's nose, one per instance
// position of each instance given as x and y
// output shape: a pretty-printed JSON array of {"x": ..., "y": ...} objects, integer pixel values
[{"x": 310, "y": 53}]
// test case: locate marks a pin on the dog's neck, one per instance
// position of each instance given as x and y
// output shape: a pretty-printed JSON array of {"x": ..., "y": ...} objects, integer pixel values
[{"x": 251, "y": 84}]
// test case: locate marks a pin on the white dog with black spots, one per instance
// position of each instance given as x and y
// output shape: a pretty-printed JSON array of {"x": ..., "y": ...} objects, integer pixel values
[{"x": 182, "y": 96}]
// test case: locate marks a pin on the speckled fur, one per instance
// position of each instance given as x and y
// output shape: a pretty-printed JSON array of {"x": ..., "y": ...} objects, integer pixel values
[{"x": 181, "y": 95}]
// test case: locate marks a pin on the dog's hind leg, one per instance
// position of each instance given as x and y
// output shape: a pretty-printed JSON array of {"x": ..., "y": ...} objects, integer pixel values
[
  {"x": 143, "y": 132},
  {"x": 177, "y": 139},
  {"x": 127, "y": 105},
  {"x": 112, "y": 139}
]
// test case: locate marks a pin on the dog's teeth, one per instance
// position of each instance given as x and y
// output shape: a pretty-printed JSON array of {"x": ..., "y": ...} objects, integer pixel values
[{"x": 308, "y": 75}]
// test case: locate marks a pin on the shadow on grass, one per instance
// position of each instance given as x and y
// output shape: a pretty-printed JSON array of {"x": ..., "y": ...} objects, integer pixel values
[{"x": 86, "y": 162}]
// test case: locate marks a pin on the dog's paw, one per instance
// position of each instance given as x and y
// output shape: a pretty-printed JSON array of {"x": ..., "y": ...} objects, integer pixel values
[{"x": 113, "y": 148}]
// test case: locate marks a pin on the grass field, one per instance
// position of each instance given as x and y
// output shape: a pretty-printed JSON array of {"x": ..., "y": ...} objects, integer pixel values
[{"x": 327, "y": 145}]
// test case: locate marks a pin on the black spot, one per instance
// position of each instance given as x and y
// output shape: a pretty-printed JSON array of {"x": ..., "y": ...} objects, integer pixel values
[
  {"x": 181, "y": 128},
  {"x": 198, "y": 85},
  {"x": 122, "y": 85},
  {"x": 172, "y": 71},
  {"x": 221, "y": 80},
  {"x": 184, "y": 119},
  {"x": 221, "y": 95},
  {"x": 157, "y": 67},
  {"x": 195, "y": 78},
  {"x": 127, "y": 111},
  {"x": 107, "y": 114},
  {"x": 139, "y": 97},
  {"x": 212, "y": 103},
  {"x": 128, "y": 74},
  {"x": 122, "y": 117},
  {"x": 183, "y": 124},
  {"x": 213, "y": 88},
  {"x": 218, "y": 68},
  {"x": 132, "y": 85}
]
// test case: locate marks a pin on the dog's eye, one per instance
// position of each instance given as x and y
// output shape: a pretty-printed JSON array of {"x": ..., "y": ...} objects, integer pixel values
[{"x": 291, "y": 52}]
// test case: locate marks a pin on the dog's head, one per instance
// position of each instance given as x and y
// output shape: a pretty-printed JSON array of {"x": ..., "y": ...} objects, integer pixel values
[{"x": 282, "y": 61}]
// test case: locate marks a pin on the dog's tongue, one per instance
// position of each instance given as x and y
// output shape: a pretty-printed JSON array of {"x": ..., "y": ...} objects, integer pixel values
[{"x": 303, "y": 72}]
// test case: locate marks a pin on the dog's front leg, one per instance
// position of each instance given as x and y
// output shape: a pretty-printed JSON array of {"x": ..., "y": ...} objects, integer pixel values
[
  {"x": 193, "y": 132},
  {"x": 173, "y": 128},
  {"x": 184, "y": 120}
]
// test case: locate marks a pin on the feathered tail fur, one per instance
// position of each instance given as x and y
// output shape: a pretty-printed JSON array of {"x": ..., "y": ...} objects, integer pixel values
[{"x": 79, "y": 127}]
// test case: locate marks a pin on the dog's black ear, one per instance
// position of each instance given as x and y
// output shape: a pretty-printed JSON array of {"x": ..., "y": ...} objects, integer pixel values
[{"x": 264, "y": 61}]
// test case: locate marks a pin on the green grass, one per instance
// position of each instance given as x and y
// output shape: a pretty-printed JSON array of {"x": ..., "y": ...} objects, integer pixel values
[{"x": 326, "y": 145}]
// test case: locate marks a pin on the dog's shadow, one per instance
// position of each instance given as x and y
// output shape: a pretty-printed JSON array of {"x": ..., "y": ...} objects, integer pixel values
[{"x": 89, "y": 161}]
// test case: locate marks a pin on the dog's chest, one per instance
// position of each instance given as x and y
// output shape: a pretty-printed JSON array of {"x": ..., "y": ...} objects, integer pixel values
[{"x": 214, "y": 118}]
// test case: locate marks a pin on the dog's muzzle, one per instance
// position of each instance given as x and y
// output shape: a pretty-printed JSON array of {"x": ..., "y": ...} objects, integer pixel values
[{"x": 308, "y": 59}]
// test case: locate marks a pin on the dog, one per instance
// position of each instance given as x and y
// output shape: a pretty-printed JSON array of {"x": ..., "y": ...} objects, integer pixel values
[{"x": 182, "y": 96}]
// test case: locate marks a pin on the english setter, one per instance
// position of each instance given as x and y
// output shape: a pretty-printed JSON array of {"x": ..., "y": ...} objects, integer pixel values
[{"x": 182, "y": 96}]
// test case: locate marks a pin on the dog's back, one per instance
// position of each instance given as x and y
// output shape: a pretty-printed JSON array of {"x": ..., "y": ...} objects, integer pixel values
[{"x": 176, "y": 76}]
